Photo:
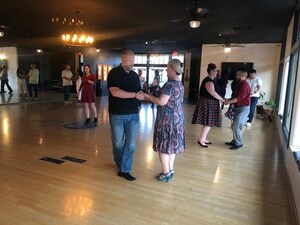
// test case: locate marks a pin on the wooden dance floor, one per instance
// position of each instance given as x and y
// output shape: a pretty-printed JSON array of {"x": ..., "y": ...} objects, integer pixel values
[{"x": 211, "y": 186}]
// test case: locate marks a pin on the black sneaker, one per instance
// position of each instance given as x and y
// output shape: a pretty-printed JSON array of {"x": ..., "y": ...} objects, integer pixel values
[
  {"x": 230, "y": 143},
  {"x": 126, "y": 176},
  {"x": 96, "y": 120},
  {"x": 235, "y": 147}
]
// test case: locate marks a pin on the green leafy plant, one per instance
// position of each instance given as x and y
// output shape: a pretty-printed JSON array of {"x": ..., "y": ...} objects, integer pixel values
[
  {"x": 261, "y": 97},
  {"x": 271, "y": 103}
]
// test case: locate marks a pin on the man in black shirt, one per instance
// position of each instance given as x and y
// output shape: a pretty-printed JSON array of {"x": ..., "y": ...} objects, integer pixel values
[{"x": 124, "y": 100}]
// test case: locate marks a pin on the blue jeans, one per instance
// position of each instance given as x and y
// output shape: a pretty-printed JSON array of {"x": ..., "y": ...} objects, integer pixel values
[
  {"x": 67, "y": 92},
  {"x": 254, "y": 101},
  {"x": 35, "y": 86},
  {"x": 123, "y": 136},
  {"x": 240, "y": 117}
]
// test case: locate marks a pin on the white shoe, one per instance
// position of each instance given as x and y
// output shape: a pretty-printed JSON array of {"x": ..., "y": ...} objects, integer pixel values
[{"x": 248, "y": 124}]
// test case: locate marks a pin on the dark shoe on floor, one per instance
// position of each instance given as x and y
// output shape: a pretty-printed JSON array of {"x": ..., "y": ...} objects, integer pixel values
[
  {"x": 235, "y": 147},
  {"x": 230, "y": 143},
  {"x": 10, "y": 92},
  {"x": 204, "y": 146},
  {"x": 126, "y": 176},
  {"x": 88, "y": 120},
  {"x": 96, "y": 120},
  {"x": 208, "y": 143}
]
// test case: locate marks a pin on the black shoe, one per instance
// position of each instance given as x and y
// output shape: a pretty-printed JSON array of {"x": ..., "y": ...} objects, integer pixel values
[
  {"x": 204, "y": 146},
  {"x": 208, "y": 143},
  {"x": 10, "y": 92},
  {"x": 96, "y": 120},
  {"x": 126, "y": 176},
  {"x": 235, "y": 147},
  {"x": 230, "y": 143},
  {"x": 88, "y": 120}
]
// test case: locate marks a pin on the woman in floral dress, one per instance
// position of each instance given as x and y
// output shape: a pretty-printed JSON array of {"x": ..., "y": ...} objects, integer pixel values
[{"x": 169, "y": 130}]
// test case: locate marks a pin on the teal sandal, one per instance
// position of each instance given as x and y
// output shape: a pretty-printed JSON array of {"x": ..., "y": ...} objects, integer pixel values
[
  {"x": 172, "y": 173},
  {"x": 163, "y": 177}
]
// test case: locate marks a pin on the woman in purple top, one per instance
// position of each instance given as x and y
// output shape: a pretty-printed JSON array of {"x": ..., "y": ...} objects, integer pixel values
[{"x": 169, "y": 130}]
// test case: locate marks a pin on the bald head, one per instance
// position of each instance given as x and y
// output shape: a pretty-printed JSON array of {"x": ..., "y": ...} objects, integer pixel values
[
  {"x": 127, "y": 60},
  {"x": 241, "y": 74}
]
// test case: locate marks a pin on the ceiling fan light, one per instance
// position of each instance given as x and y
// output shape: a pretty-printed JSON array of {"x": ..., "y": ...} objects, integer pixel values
[
  {"x": 194, "y": 23},
  {"x": 227, "y": 49}
]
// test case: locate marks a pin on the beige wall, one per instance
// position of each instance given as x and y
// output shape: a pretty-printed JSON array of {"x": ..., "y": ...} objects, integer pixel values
[
  {"x": 264, "y": 56},
  {"x": 12, "y": 64}
]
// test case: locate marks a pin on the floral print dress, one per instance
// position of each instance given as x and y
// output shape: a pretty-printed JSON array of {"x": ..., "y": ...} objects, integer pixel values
[{"x": 169, "y": 129}]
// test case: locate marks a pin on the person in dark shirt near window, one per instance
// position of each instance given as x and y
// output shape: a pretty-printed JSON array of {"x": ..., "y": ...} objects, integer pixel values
[{"x": 241, "y": 100}]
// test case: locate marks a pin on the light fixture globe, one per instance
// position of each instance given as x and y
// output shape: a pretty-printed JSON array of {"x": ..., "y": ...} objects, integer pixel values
[{"x": 194, "y": 23}]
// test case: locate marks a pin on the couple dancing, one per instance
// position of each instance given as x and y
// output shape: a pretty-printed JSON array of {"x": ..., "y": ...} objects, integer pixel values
[
  {"x": 124, "y": 100},
  {"x": 208, "y": 113}
]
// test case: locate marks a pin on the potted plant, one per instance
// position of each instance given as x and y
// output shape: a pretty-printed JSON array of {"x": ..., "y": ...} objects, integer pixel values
[
  {"x": 271, "y": 103},
  {"x": 259, "y": 106}
]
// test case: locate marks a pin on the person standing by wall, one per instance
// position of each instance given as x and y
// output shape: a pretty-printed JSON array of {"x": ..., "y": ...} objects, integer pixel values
[
  {"x": 142, "y": 79},
  {"x": 222, "y": 82},
  {"x": 154, "y": 88},
  {"x": 123, "y": 107},
  {"x": 169, "y": 130},
  {"x": 33, "y": 80},
  {"x": 241, "y": 100},
  {"x": 4, "y": 80},
  {"x": 255, "y": 84},
  {"x": 22, "y": 87},
  {"x": 78, "y": 80},
  {"x": 67, "y": 76}
]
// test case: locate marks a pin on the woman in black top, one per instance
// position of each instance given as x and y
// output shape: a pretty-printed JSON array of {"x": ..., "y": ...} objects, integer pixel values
[{"x": 207, "y": 111}]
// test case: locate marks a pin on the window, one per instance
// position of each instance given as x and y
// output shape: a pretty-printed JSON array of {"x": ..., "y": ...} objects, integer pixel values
[
  {"x": 140, "y": 59},
  {"x": 296, "y": 140},
  {"x": 159, "y": 59},
  {"x": 283, "y": 86},
  {"x": 287, "y": 117}
]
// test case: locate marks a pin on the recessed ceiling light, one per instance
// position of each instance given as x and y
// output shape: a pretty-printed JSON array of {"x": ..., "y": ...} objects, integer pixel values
[
  {"x": 98, "y": 50},
  {"x": 39, "y": 50},
  {"x": 1, "y": 34}
]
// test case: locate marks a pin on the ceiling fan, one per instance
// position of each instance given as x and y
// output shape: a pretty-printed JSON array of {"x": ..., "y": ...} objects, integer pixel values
[
  {"x": 195, "y": 13},
  {"x": 228, "y": 46}
]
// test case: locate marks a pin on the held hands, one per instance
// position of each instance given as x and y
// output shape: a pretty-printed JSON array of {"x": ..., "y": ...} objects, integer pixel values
[
  {"x": 91, "y": 82},
  {"x": 140, "y": 95},
  {"x": 226, "y": 101}
]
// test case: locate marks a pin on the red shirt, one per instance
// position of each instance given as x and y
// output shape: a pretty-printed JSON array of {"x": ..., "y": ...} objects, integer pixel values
[{"x": 242, "y": 94}]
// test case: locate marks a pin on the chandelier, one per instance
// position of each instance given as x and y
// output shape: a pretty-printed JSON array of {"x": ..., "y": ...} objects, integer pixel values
[{"x": 76, "y": 37}]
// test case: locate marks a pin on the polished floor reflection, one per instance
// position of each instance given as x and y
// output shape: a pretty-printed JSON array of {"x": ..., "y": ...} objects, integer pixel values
[{"x": 211, "y": 186}]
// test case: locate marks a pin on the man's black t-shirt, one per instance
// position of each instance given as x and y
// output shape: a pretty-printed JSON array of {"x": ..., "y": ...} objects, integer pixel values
[{"x": 130, "y": 82}]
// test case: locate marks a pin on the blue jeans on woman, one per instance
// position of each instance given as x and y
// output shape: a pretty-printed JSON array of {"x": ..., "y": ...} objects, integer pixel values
[{"x": 123, "y": 136}]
